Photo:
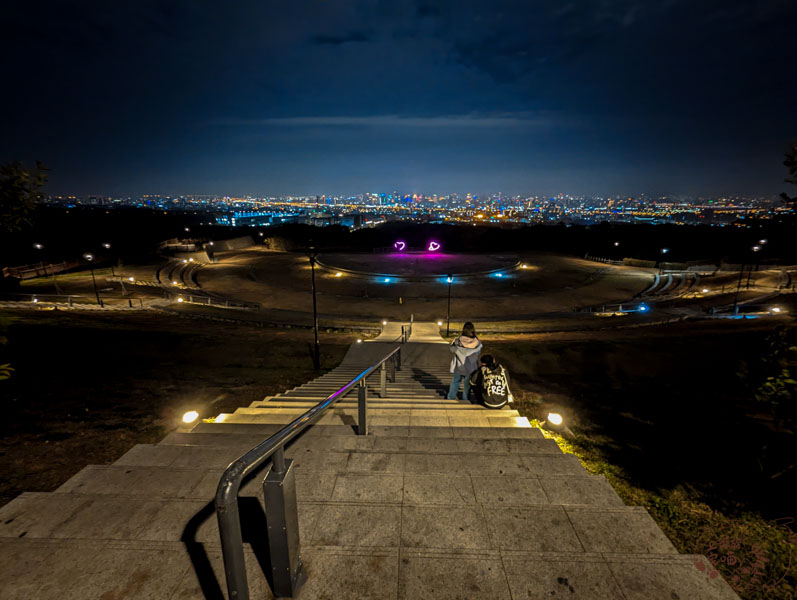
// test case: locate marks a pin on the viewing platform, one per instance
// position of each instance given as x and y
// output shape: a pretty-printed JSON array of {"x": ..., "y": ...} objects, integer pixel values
[{"x": 442, "y": 499}]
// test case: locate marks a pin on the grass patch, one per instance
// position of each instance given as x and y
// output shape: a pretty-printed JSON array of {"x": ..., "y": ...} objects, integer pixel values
[
  {"x": 752, "y": 554},
  {"x": 89, "y": 386},
  {"x": 668, "y": 417}
]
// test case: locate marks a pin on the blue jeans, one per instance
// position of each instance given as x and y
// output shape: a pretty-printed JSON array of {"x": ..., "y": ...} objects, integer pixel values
[{"x": 454, "y": 387}]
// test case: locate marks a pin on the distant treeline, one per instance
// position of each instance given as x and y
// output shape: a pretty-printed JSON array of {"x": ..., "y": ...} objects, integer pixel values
[
  {"x": 135, "y": 233},
  {"x": 644, "y": 241}
]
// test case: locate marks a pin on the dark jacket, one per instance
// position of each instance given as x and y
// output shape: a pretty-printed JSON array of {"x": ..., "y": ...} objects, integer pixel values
[
  {"x": 491, "y": 385},
  {"x": 466, "y": 354}
]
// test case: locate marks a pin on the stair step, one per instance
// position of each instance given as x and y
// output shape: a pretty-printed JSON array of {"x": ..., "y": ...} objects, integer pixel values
[
  {"x": 164, "y": 569},
  {"x": 563, "y": 528}
]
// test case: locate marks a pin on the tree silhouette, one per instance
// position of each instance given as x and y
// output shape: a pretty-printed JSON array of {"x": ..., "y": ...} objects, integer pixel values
[
  {"x": 20, "y": 190},
  {"x": 791, "y": 165}
]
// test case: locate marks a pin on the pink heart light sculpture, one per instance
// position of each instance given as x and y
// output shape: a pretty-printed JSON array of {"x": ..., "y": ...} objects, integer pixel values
[
  {"x": 434, "y": 246},
  {"x": 400, "y": 246}
]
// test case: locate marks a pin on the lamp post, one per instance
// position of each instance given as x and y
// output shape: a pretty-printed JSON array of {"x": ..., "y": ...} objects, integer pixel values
[
  {"x": 755, "y": 249},
  {"x": 312, "y": 253},
  {"x": 663, "y": 251},
  {"x": 449, "y": 279},
  {"x": 89, "y": 257}
]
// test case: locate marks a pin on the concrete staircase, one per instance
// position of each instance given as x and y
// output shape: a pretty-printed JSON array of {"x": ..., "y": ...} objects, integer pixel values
[{"x": 443, "y": 499}]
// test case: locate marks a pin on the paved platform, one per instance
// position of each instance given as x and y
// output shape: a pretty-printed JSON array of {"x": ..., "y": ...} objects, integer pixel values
[{"x": 443, "y": 499}]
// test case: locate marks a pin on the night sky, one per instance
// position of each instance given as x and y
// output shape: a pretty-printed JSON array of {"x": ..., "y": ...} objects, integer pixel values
[{"x": 269, "y": 98}]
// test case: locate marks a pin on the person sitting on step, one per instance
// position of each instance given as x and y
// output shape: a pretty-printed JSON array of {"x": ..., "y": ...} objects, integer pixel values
[
  {"x": 466, "y": 350},
  {"x": 490, "y": 383}
]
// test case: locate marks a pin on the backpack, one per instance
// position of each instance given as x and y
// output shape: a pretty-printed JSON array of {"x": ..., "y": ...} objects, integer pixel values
[{"x": 495, "y": 388}]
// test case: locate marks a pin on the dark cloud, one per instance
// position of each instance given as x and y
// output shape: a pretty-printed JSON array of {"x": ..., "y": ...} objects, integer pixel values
[
  {"x": 504, "y": 94},
  {"x": 337, "y": 40}
]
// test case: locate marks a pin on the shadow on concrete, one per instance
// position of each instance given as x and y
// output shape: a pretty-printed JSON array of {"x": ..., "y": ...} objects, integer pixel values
[{"x": 253, "y": 530}]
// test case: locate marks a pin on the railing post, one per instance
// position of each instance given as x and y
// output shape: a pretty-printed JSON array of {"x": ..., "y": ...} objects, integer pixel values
[
  {"x": 232, "y": 549},
  {"x": 362, "y": 409},
  {"x": 282, "y": 518},
  {"x": 383, "y": 381}
]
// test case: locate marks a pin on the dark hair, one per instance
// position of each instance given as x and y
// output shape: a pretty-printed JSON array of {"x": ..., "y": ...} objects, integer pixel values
[
  {"x": 488, "y": 360},
  {"x": 468, "y": 330}
]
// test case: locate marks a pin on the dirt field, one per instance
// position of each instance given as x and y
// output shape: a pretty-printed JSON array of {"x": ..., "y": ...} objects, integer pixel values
[{"x": 550, "y": 284}]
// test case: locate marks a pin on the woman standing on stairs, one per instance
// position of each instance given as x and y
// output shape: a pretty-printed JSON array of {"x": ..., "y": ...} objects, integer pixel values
[{"x": 466, "y": 350}]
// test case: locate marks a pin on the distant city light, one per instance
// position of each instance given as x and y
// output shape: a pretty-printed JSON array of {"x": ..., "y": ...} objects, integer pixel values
[
  {"x": 756, "y": 248},
  {"x": 665, "y": 250},
  {"x": 38, "y": 246},
  {"x": 434, "y": 246},
  {"x": 617, "y": 243},
  {"x": 762, "y": 242},
  {"x": 106, "y": 245}
]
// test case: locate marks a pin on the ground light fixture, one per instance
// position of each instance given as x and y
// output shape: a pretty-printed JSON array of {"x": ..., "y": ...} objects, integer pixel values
[
  {"x": 190, "y": 416},
  {"x": 359, "y": 341},
  {"x": 179, "y": 298},
  {"x": 387, "y": 280},
  {"x": 704, "y": 290},
  {"x": 644, "y": 308},
  {"x": 107, "y": 246},
  {"x": 776, "y": 309},
  {"x": 131, "y": 278},
  {"x": 338, "y": 274},
  {"x": 38, "y": 246},
  {"x": 554, "y": 419},
  {"x": 439, "y": 323},
  {"x": 384, "y": 322}
]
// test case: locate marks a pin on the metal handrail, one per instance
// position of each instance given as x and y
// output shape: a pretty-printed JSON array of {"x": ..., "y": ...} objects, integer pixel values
[{"x": 226, "y": 501}]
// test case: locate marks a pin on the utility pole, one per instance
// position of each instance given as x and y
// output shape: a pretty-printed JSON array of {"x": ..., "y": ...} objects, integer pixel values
[
  {"x": 312, "y": 253},
  {"x": 449, "y": 279}
]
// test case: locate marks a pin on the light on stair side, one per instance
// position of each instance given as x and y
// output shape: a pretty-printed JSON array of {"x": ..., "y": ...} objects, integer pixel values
[
  {"x": 555, "y": 418},
  {"x": 359, "y": 341},
  {"x": 439, "y": 323},
  {"x": 190, "y": 416}
]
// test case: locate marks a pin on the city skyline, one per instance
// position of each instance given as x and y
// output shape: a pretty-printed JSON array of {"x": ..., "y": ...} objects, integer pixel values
[{"x": 264, "y": 98}]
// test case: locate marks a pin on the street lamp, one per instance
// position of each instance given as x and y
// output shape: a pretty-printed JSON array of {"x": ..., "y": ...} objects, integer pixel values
[
  {"x": 312, "y": 253},
  {"x": 750, "y": 270},
  {"x": 449, "y": 280},
  {"x": 90, "y": 257},
  {"x": 663, "y": 251}
]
